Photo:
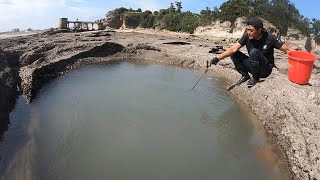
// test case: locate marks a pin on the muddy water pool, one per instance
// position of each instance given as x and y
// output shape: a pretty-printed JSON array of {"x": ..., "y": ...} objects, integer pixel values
[{"x": 132, "y": 121}]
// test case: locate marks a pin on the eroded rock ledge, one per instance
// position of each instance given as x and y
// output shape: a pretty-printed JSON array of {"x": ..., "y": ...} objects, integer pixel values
[
  {"x": 34, "y": 77},
  {"x": 288, "y": 111}
]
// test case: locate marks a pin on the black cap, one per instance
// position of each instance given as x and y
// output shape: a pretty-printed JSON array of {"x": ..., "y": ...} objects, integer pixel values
[{"x": 256, "y": 22}]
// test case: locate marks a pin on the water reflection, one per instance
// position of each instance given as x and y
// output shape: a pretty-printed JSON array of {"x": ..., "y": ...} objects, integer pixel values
[
  {"x": 233, "y": 133},
  {"x": 16, "y": 138}
]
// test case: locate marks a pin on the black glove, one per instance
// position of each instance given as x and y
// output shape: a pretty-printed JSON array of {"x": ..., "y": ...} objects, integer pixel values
[{"x": 214, "y": 61}]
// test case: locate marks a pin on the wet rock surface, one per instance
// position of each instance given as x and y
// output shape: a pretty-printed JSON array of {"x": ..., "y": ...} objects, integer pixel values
[
  {"x": 288, "y": 111},
  {"x": 9, "y": 84}
]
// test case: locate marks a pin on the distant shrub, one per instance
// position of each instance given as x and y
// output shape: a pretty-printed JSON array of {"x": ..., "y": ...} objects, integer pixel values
[
  {"x": 183, "y": 22},
  {"x": 16, "y": 30},
  {"x": 133, "y": 20}
]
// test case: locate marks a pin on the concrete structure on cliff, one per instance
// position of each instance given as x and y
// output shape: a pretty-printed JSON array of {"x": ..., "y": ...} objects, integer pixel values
[{"x": 79, "y": 25}]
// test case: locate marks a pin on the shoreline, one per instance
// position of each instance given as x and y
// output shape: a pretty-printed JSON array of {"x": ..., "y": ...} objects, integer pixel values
[{"x": 287, "y": 111}]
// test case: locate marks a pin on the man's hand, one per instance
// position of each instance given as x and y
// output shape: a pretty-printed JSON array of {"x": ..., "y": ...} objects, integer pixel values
[{"x": 214, "y": 61}]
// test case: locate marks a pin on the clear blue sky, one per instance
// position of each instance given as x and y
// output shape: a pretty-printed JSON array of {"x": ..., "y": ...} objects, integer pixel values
[{"x": 40, "y": 14}]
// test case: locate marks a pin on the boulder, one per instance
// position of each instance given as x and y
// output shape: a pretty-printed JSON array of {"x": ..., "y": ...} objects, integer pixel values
[
  {"x": 297, "y": 40},
  {"x": 216, "y": 28},
  {"x": 114, "y": 22}
]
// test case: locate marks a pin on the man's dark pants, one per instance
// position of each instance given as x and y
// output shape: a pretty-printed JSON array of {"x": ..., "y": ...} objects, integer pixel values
[{"x": 257, "y": 64}]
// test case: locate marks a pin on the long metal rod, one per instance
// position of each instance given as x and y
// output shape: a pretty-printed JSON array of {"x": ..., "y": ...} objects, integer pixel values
[{"x": 200, "y": 77}]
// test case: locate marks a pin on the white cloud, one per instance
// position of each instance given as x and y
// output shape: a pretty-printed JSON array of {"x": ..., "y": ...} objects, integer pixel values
[
  {"x": 5, "y": 2},
  {"x": 79, "y": 1},
  {"x": 9, "y": 18},
  {"x": 144, "y": 4},
  {"x": 38, "y": 3},
  {"x": 85, "y": 13},
  {"x": 40, "y": 14},
  {"x": 29, "y": 8}
]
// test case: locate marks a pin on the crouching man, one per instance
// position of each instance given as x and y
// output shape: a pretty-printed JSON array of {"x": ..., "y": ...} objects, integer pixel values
[{"x": 260, "y": 45}]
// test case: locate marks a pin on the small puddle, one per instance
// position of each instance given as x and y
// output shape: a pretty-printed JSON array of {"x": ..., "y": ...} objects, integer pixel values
[{"x": 132, "y": 121}]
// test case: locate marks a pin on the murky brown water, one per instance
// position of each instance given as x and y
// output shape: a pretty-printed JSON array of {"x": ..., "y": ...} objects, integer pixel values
[{"x": 126, "y": 121}]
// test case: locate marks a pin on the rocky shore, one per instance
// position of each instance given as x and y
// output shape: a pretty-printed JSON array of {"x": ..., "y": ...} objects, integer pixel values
[{"x": 289, "y": 112}]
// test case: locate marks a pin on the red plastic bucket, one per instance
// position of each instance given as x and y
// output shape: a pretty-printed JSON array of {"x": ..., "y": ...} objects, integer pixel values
[{"x": 300, "y": 66}]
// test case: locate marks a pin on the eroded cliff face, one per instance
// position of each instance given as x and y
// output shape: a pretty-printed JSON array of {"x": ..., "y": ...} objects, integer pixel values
[
  {"x": 114, "y": 22},
  {"x": 299, "y": 41},
  {"x": 231, "y": 31},
  {"x": 119, "y": 22}
]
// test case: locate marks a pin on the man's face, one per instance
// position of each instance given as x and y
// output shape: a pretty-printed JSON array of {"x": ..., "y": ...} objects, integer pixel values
[{"x": 252, "y": 32}]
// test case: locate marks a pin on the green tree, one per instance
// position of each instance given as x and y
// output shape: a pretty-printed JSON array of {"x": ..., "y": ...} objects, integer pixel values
[
  {"x": 261, "y": 8},
  {"x": 233, "y": 9},
  {"x": 172, "y": 9},
  {"x": 280, "y": 10},
  {"x": 147, "y": 19},
  {"x": 206, "y": 12},
  {"x": 133, "y": 19},
  {"x": 156, "y": 13},
  {"x": 316, "y": 29},
  {"x": 118, "y": 11},
  {"x": 215, "y": 13},
  {"x": 179, "y": 6},
  {"x": 206, "y": 16},
  {"x": 171, "y": 21},
  {"x": 303, "y": 24},
  {"x": 189, "y": 22}
]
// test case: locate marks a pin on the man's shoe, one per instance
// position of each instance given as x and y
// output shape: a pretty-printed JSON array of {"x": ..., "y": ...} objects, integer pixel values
[
  {"x": 253, "y": 81},
  {"x": 243, "y": 79}
]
